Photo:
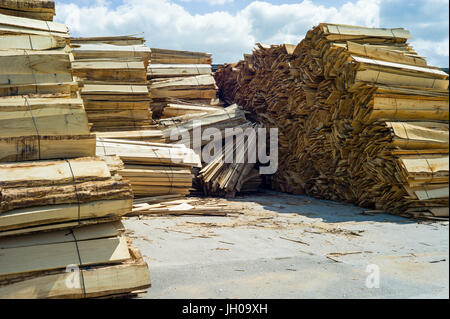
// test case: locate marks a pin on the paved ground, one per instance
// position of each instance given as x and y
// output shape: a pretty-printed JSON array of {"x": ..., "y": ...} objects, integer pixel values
[{"x": 286, "y": 246}]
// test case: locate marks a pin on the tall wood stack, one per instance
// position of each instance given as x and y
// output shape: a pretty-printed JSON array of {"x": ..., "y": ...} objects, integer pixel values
[
  {"x": 362, "y": 118},
  {"x": 114, "y": 77},
  {"x": 180, "y": 75},
  {"x": 60, "y": 210}
]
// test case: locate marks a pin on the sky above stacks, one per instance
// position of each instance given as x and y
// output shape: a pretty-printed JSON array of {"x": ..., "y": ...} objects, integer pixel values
[{"x": 230, "y": 28}]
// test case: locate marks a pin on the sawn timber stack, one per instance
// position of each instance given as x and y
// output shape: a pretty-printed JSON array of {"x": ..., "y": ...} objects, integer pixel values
[
  {"x": 114, "y": 79},
  {"x": 41, "y": 113},
  {"x": 58, "y": 211},
  {"x": 181, "y": 75}
]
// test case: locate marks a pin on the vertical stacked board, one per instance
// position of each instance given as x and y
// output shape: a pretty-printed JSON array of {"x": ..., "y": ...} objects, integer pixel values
[
  {"x": 114, "y": 77},
  {"x": 176, "y": 76},
  {"x": 60, "y": 205},
  {"x": 362, "y": 118}
]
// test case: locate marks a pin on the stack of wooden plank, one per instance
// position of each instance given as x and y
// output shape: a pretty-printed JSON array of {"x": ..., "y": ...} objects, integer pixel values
[
  {"x": 164, "y": 56},
  {"x": 153, "y": 169},
  {"x": 157, "y": 71},
  {"x": 52, "y": 194},
  {"x": 122, "y": 40},
  {"x": 114, "y": 78},
  {"x": 41, "y": 113},
  {"x": 89, "y": 262},
  {"x": 180, "y": 75},
  {"x": 46, "y": 204},
  {"x": 362, "y": 118},
  {"x": 34, "y": 9}
]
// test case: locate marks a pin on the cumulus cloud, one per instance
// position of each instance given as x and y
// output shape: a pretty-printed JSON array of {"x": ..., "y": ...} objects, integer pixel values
[
  {"x": 210, "y": 2},
  {"x": 226, "y": 35}
]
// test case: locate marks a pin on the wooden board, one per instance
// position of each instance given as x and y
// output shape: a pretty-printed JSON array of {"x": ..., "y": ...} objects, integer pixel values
[{"x": 59, "y": 255}]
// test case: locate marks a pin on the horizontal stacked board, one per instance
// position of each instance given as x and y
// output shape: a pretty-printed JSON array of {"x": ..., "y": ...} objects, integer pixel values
[{"x": 114, "y": 77}]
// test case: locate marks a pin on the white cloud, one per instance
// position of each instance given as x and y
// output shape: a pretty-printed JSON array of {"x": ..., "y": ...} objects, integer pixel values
[
  {"x": 227, "y": 36},
  {"x": 434, "y": 51},
  {"x": 211, "y": 2}
]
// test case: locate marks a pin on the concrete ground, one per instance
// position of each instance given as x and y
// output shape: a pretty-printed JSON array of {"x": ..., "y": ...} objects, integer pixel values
[{"x": 286, "y": 246}]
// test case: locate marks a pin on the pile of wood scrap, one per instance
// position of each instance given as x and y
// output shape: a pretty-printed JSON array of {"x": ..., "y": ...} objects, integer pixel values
[
  {"x": 34, "y": 9},
  {"x": 62, "y": 186},
  {"x": 179, "y": 207},
  {"x": 361, "y": 116},
  {"x": 226, "y": 79},
  {"x": 153, "y": 169},
  {"x": 228, "y": 173},
  {"x": 181, "y": 130},
  {"x": 186, "y": 111},
  {"x": 180, "y": 75},
  {"x": 236, "y": 176},
  {"x": 114, "y": 78}
]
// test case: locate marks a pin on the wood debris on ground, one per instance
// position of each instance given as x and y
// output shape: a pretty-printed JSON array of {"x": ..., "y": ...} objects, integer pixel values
[
  {"x": 362, "y": 117},
  {"x": 60, "y": 205}
]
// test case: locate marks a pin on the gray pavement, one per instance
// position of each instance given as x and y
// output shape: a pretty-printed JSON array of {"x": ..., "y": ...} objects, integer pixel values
[{"x": 290, "y": 246}]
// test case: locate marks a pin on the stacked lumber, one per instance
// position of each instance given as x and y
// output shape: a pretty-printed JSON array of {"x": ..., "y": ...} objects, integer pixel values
[
  {"x": 362, "y": 118},
  {"x": 122, "y": 40},
  {"x": 157, "y": 71},
  {"x": 164, "y": 56},
  {"x": 46, "y": 202},
  {"x": 52, "y": 194},
  {"x": 201, "y": 89},
  {"x": 153, "y": 169},
  {"x": 55, "y": 214},
  {"x": 89, "y": 262},
  {"x": 34, "y": 9},
  {"x": 114, "y": 78},
  {"x": 181, "y": 75},
  {"x": 41, "y": 113}
]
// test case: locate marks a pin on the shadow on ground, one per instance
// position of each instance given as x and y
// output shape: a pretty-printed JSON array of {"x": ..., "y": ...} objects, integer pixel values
[{"x": 327, "y": 211}]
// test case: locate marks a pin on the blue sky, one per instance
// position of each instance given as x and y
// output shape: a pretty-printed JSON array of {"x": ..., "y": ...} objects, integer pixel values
[{"x": 230, "y": 28}]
